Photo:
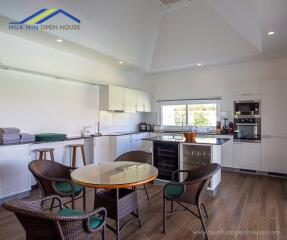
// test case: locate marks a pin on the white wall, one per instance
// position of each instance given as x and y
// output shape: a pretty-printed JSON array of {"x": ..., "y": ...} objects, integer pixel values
[
  {"x": 40, "y": 104},
  {"x": 219, "y": 81}
]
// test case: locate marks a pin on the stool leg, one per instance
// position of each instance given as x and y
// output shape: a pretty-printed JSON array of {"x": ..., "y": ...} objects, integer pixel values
[
  {"x": 45, "y": 156},
  {"x": 41, "y": 156},
  {"x": 83, "y": 155},
  {"x": 74, "y": 157},
  {"x": 52, "y": 155}
]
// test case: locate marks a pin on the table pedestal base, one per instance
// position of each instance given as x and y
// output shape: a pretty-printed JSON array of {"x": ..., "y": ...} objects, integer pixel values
[{"x": 119, "y": 203}]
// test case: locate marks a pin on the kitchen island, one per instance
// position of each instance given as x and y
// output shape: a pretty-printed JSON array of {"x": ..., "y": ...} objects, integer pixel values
[{"x": 174, "y": 152}]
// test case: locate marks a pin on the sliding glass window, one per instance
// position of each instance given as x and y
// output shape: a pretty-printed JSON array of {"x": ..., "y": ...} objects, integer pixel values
[{"x": 194, "y": 113}]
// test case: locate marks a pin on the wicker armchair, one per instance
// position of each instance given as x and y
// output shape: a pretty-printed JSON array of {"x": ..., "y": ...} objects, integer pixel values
[
  {"x": 66, "y": 224},
  {"x": 137, "y": 156},
  {"x": 55, "y": 179},
  {"x": 192, "y": 191}
]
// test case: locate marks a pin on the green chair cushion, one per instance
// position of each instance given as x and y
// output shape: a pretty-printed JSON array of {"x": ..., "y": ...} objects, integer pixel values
[
  {"x": 66, "y": 187},
  {"x": 94, "y": 221},
  {"x": 174, "y": 190}
]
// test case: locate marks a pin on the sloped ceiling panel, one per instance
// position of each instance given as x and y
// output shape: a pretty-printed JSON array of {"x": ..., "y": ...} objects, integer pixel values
[
  {"x": 242, "y": 16},
  {"x": 124, "y": 29},
  {"x": 197, "y": 34}
]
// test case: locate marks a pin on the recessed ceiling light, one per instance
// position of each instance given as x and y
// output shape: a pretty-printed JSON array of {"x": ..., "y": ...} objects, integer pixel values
[
  {"x": 199, "y": 64},
  {"x": 271, "y": 33},
  {"x": 121, "y": 62},
  {"x": 59, "y": 40}
]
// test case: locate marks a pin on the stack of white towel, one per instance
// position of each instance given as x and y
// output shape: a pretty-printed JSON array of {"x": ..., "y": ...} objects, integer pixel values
[
  {"x": 26, "y": 137},
  {"x": 9, "y": 135}
]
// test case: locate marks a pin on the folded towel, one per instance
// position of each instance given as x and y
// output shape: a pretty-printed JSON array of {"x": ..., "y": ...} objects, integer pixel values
[
  {"x": 27, "y": 136},
  {"x": 10, "y": 136},
  {"x": 9, "y": 130},
  {"x": 27, "y": 140},
  {"x": 9, "y": 141}
]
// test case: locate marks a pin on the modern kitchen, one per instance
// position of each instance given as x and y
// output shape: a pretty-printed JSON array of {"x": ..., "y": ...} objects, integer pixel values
[{"x": 183, "y": 99}]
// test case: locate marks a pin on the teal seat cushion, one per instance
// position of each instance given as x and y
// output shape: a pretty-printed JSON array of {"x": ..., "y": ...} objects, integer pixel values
[
  {"x": 174, "y": 190},
  {"x": 94, "y": 221},
  {"x": 66, "y": 187}
]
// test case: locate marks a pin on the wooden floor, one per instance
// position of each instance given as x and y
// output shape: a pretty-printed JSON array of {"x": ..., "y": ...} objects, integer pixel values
[{"x": 246, "y": 207}]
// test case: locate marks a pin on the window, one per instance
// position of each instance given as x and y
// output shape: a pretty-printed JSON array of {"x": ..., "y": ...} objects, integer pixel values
[
  {"x": 173, "y": 115},
  {"x": 199, "y": 113},
  {"x": 202, "y": 114}
]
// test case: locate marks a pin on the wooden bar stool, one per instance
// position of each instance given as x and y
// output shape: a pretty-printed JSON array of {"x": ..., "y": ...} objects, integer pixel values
[
  {"x": 43, "y": 153},
  {"x": 74, "y": 148}
]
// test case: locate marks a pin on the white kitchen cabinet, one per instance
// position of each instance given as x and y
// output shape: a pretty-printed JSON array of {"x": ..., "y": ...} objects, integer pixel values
[
  {"x": 227, "y": 152},
  {"x": 249, "y": 90},
  {"x": 274, "y": 155},
  {"x": 146, "y": 102},
  {"x": 130, "y": 100},
  {"x": 111, "y": 98},
  {"x": 101, "y": 149},
  {"x": 139, "y": 101},
  {"x": 247, "y": 155},
  {"x": 274, "y": 113},
  {"x": 138, "y": 143},
  {"x": 114, "y": 98},
  {"x": 119, "y": 145},
  {"x": 143, "y": 101},
  {"x": 15, "y": 177}
]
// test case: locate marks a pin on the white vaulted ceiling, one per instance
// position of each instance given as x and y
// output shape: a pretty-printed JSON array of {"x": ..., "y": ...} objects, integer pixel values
[{"x": 159, "y": 35}]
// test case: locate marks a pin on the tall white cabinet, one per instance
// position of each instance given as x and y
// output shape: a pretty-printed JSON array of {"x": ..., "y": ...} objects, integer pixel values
[{"x": 274, "y": 128}]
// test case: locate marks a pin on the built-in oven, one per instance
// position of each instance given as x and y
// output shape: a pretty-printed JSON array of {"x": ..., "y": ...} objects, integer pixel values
[
  {"x": 247, "y": 129},
  {"x": 247, "y": 109}
]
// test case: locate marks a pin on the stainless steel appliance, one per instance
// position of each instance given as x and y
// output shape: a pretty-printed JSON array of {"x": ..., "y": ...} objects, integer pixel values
[
  {"x": 247, "y": 129},
  {"x": 245, "y": 109},
  {"x": 247, "y": 120},
  {"x": 143, "y": 127}
]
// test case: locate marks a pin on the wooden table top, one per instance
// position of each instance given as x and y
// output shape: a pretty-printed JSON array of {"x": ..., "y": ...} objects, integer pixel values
[{"x": 115, "y": 174}]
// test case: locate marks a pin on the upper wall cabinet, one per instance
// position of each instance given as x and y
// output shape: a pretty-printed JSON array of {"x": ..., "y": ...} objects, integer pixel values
[
  {"x": 114, "y": 98},
  {"x": 143, "y": 101},
  {"x": 247, "y": 91},
  {"x": 111, "y": 98},
  {"x": 130, "y": 100}
]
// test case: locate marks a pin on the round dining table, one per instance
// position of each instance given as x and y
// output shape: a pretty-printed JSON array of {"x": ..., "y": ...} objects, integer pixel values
[{"x": 117, "y": 181}]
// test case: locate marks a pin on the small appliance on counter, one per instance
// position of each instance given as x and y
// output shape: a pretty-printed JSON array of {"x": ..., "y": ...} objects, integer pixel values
[
  {"x": 87, "y": 131},
  {"x": 143, "y": 127},
  {"x": 225, "y": 127}
]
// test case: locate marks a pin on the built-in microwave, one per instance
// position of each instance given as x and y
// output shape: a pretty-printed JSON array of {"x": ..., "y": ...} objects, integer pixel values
[{"x": 246, "y": 109}]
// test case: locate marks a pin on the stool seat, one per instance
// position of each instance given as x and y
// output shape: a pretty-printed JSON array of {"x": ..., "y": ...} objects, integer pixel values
[
  {"x": 76, "y": 145},
  {"x": 43, "y": 153},
  {"x": 74, "y": 153},
  {"x": 44, "y": 149}
]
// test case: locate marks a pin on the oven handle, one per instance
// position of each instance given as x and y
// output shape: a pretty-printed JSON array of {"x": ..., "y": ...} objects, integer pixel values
[{"x": 247, "y": 124}]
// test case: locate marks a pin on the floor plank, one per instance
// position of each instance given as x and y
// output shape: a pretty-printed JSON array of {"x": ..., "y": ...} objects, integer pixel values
[{"x": 246, "y": 207}]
